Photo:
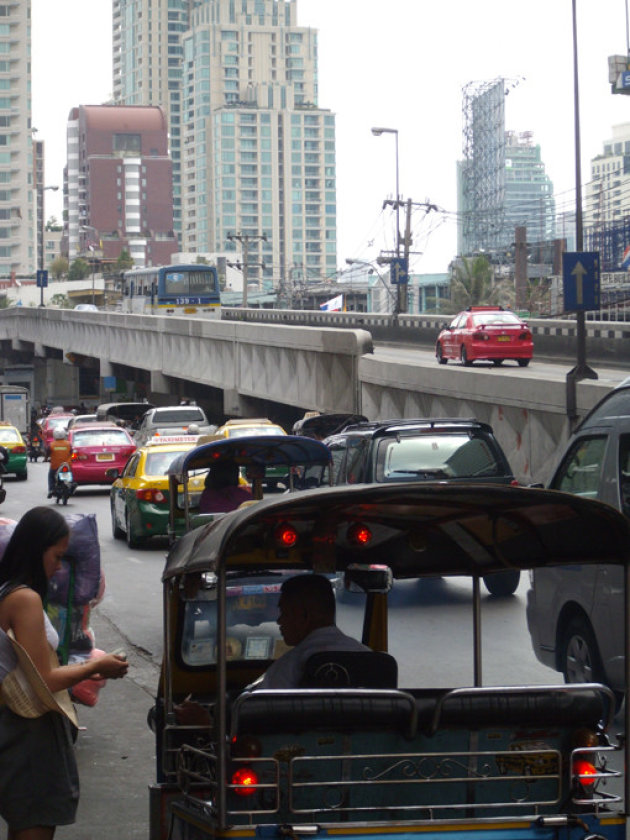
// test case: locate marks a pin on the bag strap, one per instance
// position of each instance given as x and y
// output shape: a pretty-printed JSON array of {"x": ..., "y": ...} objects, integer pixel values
[{"x": 10, "y": 586}]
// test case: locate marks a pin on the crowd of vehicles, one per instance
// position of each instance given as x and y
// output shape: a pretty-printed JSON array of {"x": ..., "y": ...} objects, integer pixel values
[
  {"x": 344, "y": 754},
  {"x": 485, "y": 333},
  {"x": 172, "y": 290}
]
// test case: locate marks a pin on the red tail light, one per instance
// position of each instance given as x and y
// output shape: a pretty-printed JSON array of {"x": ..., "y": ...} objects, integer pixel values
[
  {"x": 19, "y": 450},
  {"x": 584, "y": 771},
  {"x": 480, "y": 336},
  {"x": 359, "y": 534},
  {"x": 64, "y": 469},
  {"x": 285, "y": 535},
  {"x": 246, "y": 780},
  {"x": 150, "y": 494}
]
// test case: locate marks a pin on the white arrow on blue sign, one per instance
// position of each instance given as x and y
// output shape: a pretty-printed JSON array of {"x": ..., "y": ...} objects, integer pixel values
[{"x": 581, "y": 280}]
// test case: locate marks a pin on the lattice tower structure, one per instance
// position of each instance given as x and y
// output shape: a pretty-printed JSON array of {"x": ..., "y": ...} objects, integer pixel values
[{"x": 483, "y": 171}]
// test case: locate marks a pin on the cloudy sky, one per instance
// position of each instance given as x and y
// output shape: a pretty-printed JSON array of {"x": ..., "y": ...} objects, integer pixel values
[{"x": 395, "y": 63}]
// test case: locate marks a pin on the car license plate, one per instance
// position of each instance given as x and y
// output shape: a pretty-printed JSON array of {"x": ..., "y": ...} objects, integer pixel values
[
  {"x": 105, "y": 456},
  {"x": 503, "y": 338}
]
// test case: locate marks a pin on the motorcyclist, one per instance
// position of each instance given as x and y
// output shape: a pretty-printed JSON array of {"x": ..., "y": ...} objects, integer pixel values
[{"x": 59, "y": 454}]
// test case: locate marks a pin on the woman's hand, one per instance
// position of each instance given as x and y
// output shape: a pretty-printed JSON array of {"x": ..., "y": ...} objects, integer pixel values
[{"x": 112, "y": 666}]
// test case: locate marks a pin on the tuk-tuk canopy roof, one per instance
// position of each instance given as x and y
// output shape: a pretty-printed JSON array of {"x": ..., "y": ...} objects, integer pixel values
[
  {"x": 417, "y": 530},
  {"x": 271, "y": 450}
]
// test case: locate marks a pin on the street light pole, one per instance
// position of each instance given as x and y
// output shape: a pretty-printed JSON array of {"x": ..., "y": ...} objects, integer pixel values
[
  {"x": 84, "y": 228},
  {"x": 40, "y": 234}
]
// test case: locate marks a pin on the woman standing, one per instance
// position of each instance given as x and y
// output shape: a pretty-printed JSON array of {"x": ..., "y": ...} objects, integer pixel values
[{"x": 39, "y": 786}]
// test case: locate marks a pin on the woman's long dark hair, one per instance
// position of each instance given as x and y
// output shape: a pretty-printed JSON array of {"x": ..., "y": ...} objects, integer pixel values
[{"x": 22, "y": 561}]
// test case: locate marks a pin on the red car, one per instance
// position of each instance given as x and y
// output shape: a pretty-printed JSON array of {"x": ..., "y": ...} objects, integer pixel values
[
  {"x": 96, "y": 448},
  {"x": 488, "y": 333}
]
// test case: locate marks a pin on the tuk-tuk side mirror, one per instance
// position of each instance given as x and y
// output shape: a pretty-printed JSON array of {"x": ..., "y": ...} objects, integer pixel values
[{"x": 368, "y": 578}]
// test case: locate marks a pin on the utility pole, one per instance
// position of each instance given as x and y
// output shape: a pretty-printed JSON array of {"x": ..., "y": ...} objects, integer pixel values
[
  {"x": 520, "y": 266},
  {"x": 245, "y": 239}
]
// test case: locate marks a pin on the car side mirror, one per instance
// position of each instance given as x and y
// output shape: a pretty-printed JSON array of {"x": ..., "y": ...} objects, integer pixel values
[{"x": 113, "y": 473}]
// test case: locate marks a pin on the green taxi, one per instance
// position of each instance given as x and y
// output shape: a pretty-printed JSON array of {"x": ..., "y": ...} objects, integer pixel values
[
  {"x": 13, "y": 442},
  {"x": 139, "y": 496}
]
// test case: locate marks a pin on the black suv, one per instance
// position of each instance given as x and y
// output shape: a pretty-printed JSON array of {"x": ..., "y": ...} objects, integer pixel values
[{"x": 464, "y": 450}]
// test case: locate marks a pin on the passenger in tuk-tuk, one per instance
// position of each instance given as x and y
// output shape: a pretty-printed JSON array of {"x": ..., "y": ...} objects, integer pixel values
[{"x": 222, "y": 491}]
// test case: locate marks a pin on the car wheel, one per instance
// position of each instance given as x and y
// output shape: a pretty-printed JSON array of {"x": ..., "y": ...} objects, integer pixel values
[
  {"x": 502, "y": 584},
  {"x": 497, "y": 362},
  {"x": 117, "y": 531},
  {"x": 523, "y": 362},
  {"x": 463, "y": 355},
  {"x": 132, "y": 540},
  {"x": 579, "y": 655},
  {"x": 439, "y": 355}
]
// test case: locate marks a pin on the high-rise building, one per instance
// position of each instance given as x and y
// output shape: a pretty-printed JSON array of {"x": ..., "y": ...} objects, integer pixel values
[
  {"x": 502, "y": 181},
  {"x": 118, "y": 192},
  {"x": 18, "y": 211},
  {"x": 606, "y": 212},
  {"x": 253, "y": 153}
]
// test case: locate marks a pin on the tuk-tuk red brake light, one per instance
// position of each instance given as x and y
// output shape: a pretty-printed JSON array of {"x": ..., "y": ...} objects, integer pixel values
[
  {"x": 359, "y": 534},
  {"x": 285, "y": 535},
  {"x": 584, "y": 771},
  {"x": 245, "y": 780}
]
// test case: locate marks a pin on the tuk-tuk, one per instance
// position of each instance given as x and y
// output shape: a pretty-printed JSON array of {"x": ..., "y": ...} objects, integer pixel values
[
  {"x": 364, "y": 752},
  {"x": 253, "y": 454}
]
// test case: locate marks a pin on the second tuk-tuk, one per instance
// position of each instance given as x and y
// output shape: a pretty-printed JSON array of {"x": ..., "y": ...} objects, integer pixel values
[
  {"x": 253, "y": 455},
  {"x": 428, "y": 738}
]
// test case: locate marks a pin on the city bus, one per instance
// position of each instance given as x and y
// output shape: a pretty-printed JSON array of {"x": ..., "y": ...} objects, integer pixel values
[{"x": 172, "y": 290}]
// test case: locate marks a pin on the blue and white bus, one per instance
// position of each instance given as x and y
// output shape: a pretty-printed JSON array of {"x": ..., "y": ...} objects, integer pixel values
[{"x": 172, "y": 290}]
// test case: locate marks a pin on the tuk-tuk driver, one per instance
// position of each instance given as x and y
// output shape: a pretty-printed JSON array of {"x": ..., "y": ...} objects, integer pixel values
[{"x": 307, "y": 623}]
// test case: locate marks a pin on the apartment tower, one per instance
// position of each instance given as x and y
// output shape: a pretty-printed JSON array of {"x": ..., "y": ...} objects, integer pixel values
[
  {"x": 253, "y": 154},
  {"x": 18, "y": 210}
]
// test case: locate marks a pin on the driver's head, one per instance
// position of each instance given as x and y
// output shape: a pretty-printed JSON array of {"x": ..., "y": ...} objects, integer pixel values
[{"x": 306, "y": 603}]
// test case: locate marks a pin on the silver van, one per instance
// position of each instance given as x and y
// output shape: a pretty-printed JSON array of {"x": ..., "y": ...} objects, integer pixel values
[{"x": 575, "y": 615}]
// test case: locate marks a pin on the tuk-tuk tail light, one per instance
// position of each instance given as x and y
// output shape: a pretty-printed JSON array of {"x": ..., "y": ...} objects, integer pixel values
[
  {"x": 245, "y": 781},
  {"x": 285, "y": 535},
  {"x": 359, "y": 534},
  {"x": 584, "y": 772}
]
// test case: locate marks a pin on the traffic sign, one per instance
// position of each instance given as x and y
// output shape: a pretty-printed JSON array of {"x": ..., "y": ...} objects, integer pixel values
[
  {"x": 398, "y": 270},
  {"x": 42, "y": 278},
  {"x": 581, "y": 280}
]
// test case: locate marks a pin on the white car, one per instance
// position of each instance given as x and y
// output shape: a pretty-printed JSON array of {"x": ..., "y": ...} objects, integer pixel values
[
  {"x": 86, "y": 307},
  {"x": 179, "y": 417}
]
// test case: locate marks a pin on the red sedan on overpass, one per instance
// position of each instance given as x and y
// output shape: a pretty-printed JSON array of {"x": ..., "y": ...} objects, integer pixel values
[{"x": 488, "y": 333}]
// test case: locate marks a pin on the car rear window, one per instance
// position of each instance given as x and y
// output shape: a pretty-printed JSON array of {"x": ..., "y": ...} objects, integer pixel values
[
  {"x": 507, "y": 318},
  {"x": 435, "y": 457},
  {"x": 256, "y": 430},
  {"x": 100, "y": 437},
  {"x": 186, "y": 415},
  {"x": 9, "y": 435},
  {"x": 158, "y": 462}
]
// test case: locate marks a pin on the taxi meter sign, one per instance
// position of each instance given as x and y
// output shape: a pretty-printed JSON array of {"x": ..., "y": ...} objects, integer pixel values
[{"x": 581, "y": 280}]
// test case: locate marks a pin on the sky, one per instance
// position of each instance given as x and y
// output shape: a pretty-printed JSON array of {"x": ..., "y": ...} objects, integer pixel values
[{"x": 400, "y": 64}]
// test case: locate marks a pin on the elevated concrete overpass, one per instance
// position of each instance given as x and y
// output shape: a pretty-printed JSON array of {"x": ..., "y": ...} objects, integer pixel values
[{"x": 302, "y": 367}]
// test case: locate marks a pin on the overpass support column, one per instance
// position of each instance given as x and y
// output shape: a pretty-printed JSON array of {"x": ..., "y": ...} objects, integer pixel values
[
  {"x": 106, "y": 368},
  {"x": 160, "y": 383}
]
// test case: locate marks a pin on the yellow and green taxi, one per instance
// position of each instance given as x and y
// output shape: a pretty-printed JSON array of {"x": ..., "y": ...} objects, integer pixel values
[
  {"x": 13, "y": 442},
  {"x": 248, "y": 426},
  {"x": 139, "y": 496}
]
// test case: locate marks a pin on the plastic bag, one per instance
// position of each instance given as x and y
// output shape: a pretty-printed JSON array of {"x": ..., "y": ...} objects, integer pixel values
[{"x": 86, "y": 692}]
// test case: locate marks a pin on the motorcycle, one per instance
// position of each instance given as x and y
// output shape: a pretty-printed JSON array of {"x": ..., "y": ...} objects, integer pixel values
[
  {"x": 64, "y": 485},
  {"x": 35, "y": 448}
]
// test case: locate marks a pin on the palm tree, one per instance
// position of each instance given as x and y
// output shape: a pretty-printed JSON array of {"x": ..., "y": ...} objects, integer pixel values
[{"x": 473, "y": 284}]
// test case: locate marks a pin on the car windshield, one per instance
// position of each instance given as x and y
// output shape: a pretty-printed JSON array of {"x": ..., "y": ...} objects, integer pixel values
[
  {"x": 184, "y": 415},
  {"x": 434, "y": 457},
  {"x": 157, "y": 463},
  {"x": 9, "y": 435},
  {"x": 54, "y": 422},
  {"x": 100, "y": 437},
  {"x": 256, "y": 430},
  {"x": 495, "y": 318}
]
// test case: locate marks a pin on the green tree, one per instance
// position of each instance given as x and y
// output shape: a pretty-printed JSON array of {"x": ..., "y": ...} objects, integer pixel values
[
  {"x": 60, "y": 300},
  {"x": 124, "y": 261},
  {"x": 79, "y": 270},
  {"x": 59, "y": 267}
]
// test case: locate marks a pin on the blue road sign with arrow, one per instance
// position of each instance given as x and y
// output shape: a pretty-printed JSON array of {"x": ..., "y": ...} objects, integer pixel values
[{"x": 581, "y": 280}]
